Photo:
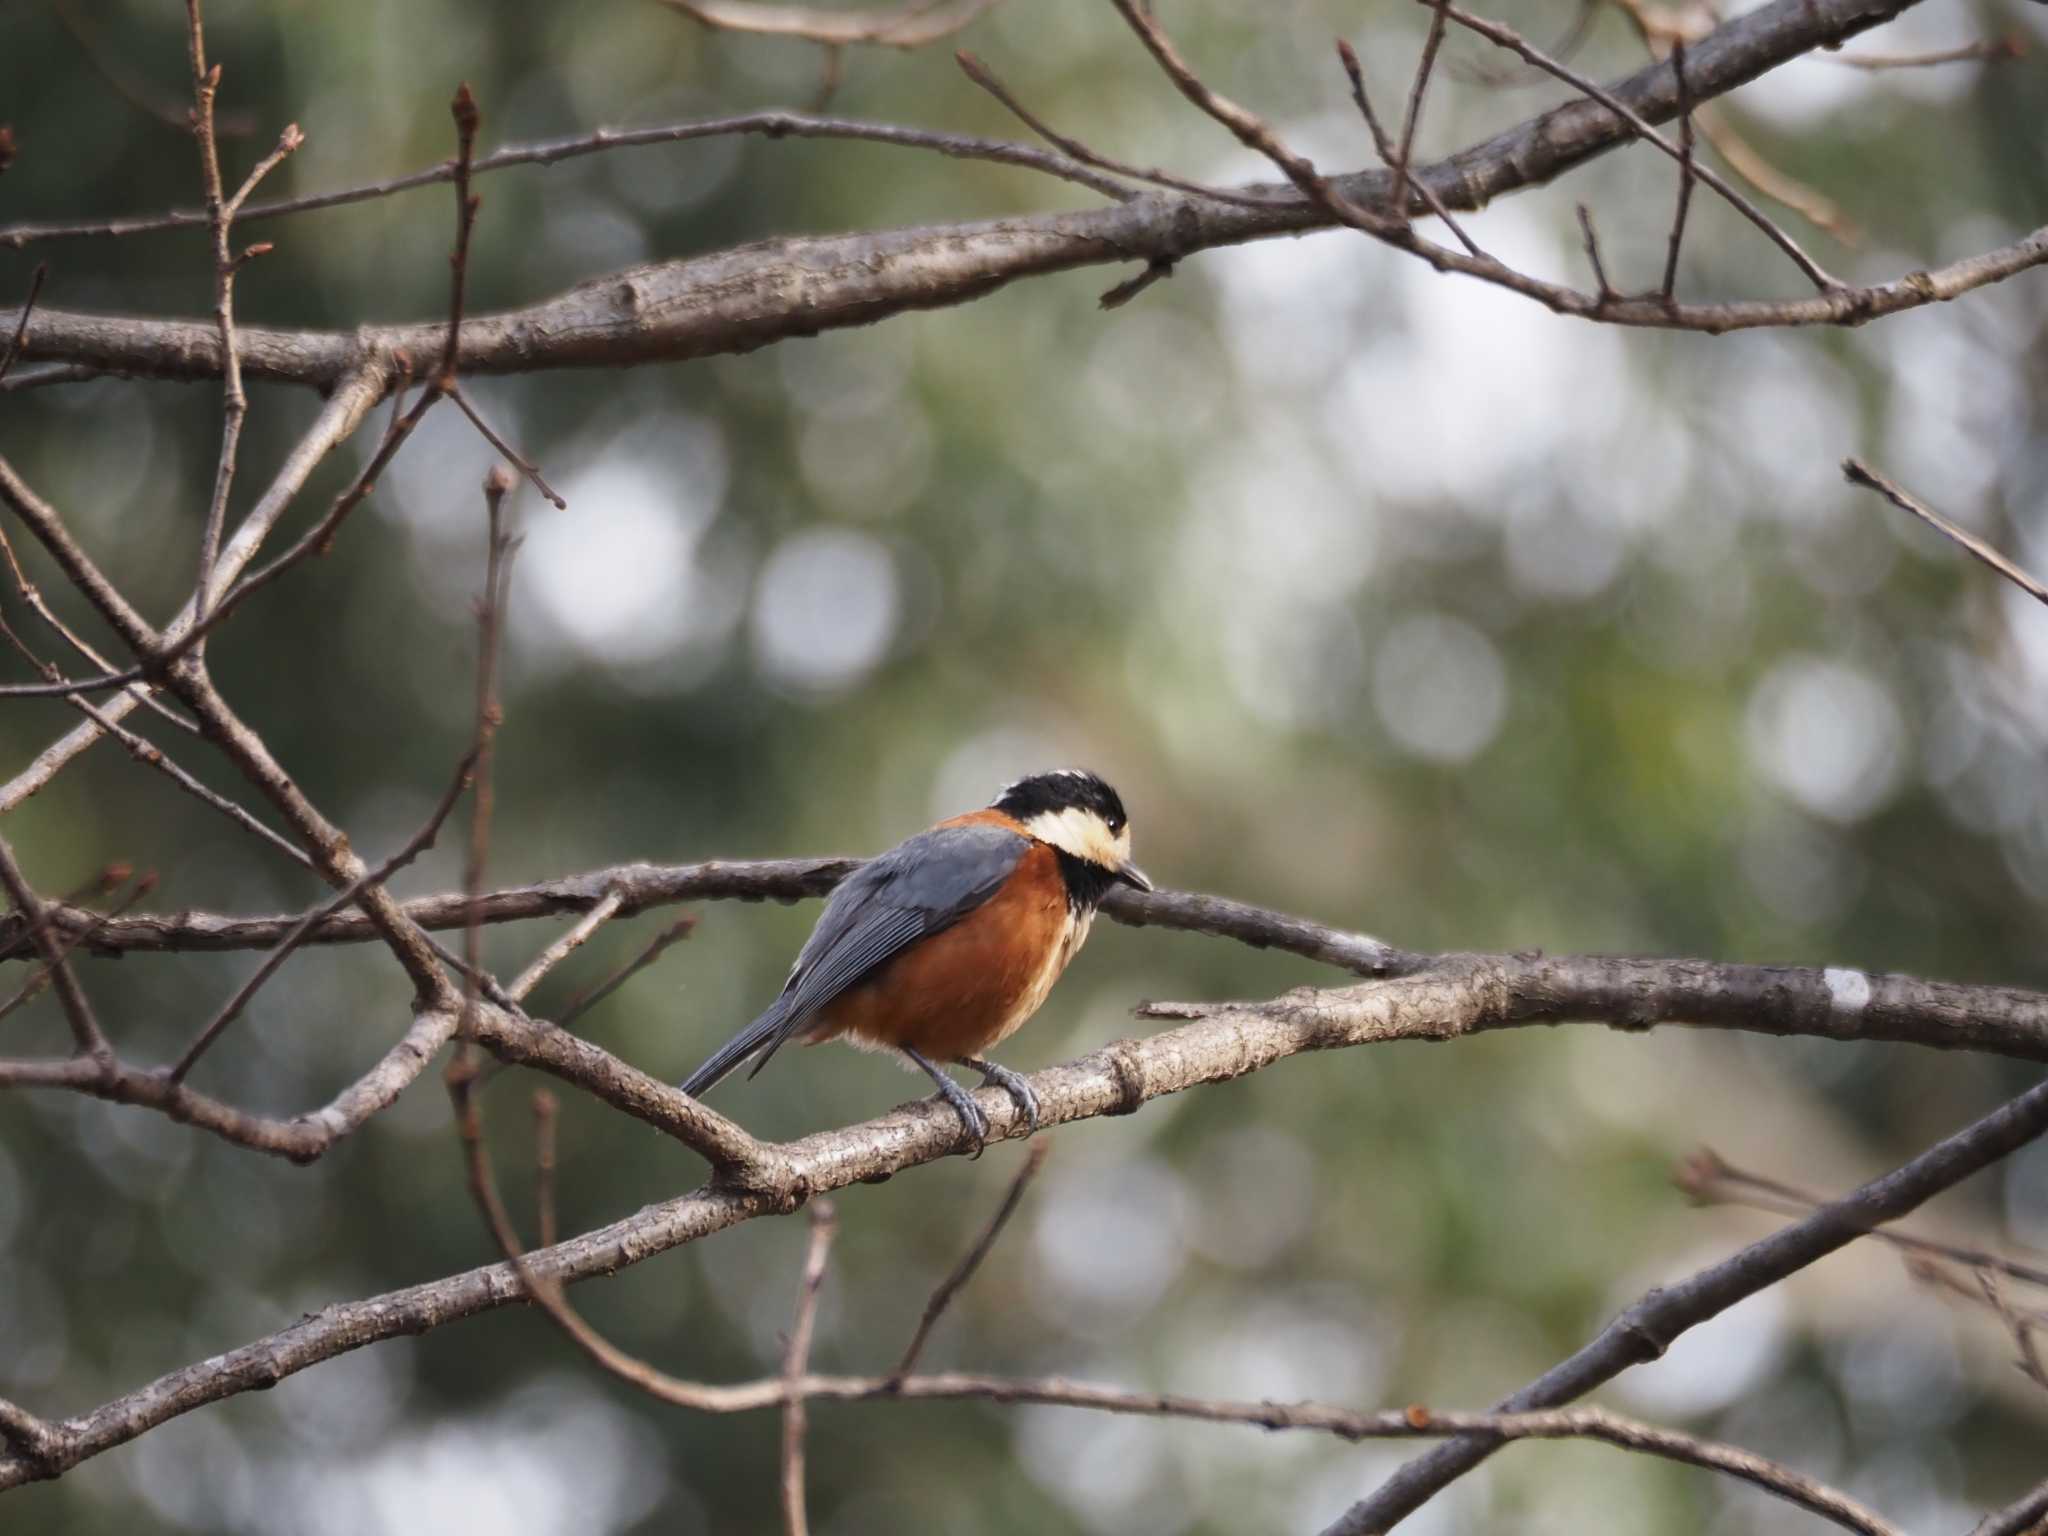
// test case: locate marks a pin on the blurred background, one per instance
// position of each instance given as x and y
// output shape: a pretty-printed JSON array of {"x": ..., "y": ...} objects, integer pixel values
[{"x": 1384, "y": 597}]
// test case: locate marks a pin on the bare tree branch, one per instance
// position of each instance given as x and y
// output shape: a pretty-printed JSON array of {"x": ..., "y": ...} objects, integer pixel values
[
  {"x": 978, "y": 71},
  {"x": 340, "y": 1328},
  {"x": 962, "y": 1272},
  {"x": 1676, "y": 239},
  {"x": 220, "y": 215},
  {"x": 93, "y": 1049},
  {"x": 796, "y": 1364},
  {"x": 1709, "y": 1179},
  {"x": 1648, "y": 1328},
  {"x": 411, "y": 849},
  {"x": 655, "y": 948},
  {"x": 736, "y": 1158},
  {"x": 563, "y": 947},
  {"x": 2023, "y": 1517},
  {"x": 33, "y": 596},
  {"x": 1991, "y": 50},
  {"x": 358, "y": 390},
  {"x": 1506, "y": 991},
  {"x": 336, "y": 861},
  {"x": 43, "y": 520},
  {"x": 524, "y": 465},
  {"x": 737, "y": 300},
  {"x": 43, "y": 974},
  {"x": 1511, "y": 40},
  {"x": 28, "y": 306},
  {"x": 1406, "y": 185},
  {"x": 152, "y": 756},
  {"x": 1858, "y": 473}
]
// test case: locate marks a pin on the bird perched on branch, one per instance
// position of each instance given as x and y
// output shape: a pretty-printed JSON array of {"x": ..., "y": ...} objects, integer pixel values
[{"x": 943, "y": 946}]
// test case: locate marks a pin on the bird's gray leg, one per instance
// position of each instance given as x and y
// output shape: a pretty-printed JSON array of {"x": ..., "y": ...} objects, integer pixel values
[
  {"x": 1012, "y": 1083},
  {"x": 971, "y": 1117}
]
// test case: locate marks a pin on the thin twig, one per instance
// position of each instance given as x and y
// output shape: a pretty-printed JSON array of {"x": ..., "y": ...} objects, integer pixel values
[
  {"x": 317, "y": 540},
  {"x": 235, "y": 402},
  {"x": 1860, "y": 473},
  {"x": 1685, "y": 173},
  {"x": 1511, "y": 77},
  {"x": 1664, "y": 31},
  {"x": 2017, "y": 1323},
  {"x": 62, "y": 687},
  {"x": 977, "y": 70},
  {"x": 153, "y": 756},
  {"x": 359, "y": 387},
  {"x": 524, "y": 465},
  {"x": 220, "y": 218},
  {"x": 1991, "y": 50},
  {"x": 1707, "y": 1177},
  {"x": 942, "y": 1296},
  {"x": 105, "y": 883},
  {"x": 1248, "y": 127},
  {"x": 1505, "y": 37},
  {"x": 55, "y": 373},
  {"x": 1751, "y": 165},
  {"x": 1385, "y": 149},
  {"x": 411, "y": 849},
  {"x": 28, "y": 307},
  {"x": 563, "y": 947},
  {"x": 1592, "y": 240},
  {"x": 1416, "y": 90},
  {"x": 1117, "y": 296},
  {"x": 44, "y": 521},
  {"x": 796, "y": 1363},
  {"x": 33, "y": 596},
  {"x": 40, "y": 977},
  {"x": 584, "y": 1001},
  {"x": 85, "y": 1029},
  {"x": 467, "y": 120},
  {"x": 793, "y": 1388},
  {"x": 490, "y": 612},
  {"x": 769, "y": 124},
  {"x": 2022, "y": 1517},
  {"x": 150, "y": 755}
]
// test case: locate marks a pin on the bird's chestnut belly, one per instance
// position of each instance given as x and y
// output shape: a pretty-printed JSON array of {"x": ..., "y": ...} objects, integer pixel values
[{"x": 966, "y": 988}]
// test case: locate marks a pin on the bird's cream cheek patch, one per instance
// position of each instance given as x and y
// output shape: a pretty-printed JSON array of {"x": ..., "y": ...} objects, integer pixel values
[{"x": 1082, "y": 833}]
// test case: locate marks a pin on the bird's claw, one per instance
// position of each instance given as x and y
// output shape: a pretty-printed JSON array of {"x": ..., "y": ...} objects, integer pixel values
[
  {"x": 1015, "y": 1084},
  {"x": 973, "y": 1123}
]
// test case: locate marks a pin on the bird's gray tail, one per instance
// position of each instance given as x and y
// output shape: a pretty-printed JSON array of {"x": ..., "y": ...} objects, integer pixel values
[{"x": 762, "y": 1037}]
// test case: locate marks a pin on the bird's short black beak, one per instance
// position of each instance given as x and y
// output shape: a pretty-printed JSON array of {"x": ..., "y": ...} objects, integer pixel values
[{"x": 1133, "y": 876}]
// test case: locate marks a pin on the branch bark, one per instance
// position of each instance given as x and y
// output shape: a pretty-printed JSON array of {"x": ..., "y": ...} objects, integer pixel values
[
  {"x": 1455, "y": 995},
  {"x": 752, "y": 295},
  {"x": 1496, "y": 991}
]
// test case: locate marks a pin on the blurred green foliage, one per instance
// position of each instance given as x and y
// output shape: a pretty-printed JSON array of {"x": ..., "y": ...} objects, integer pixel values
[{"x": 1383, "y": 597}]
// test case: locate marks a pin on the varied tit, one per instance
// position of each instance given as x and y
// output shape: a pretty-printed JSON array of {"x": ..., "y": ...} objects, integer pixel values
[{"x": 943, "y": 946}]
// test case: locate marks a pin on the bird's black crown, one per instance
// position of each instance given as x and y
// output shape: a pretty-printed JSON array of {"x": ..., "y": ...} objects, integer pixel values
[{"x": 1066, "y": 789}]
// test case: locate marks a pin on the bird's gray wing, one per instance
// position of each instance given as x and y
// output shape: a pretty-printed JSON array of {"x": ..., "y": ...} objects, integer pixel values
[{"x": 918, "y": 888}]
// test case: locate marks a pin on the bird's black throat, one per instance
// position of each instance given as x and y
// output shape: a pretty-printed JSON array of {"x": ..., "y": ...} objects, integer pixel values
[{"x": 1087, "y": 882}]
